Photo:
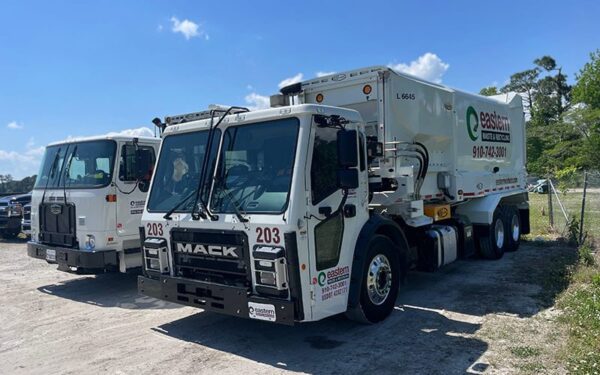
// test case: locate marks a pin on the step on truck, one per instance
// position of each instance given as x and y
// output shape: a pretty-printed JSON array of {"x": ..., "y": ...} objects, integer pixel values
[
  {"x": 321, "y": 204},
  {"x": 88, "y": 201}
]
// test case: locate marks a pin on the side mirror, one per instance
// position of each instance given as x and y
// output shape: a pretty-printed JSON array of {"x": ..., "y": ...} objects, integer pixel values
[
  {"x": 347, "y": 178},
  {"x": 347, "y": 148}
]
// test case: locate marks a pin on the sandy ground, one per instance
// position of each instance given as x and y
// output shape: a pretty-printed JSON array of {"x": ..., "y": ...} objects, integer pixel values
[{"x": 475, "y": 316}]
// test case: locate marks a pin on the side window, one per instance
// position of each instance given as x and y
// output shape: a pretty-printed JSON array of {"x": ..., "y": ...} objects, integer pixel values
[
  {"x": 328, "y": 241},
  {"x": 324, "y": 166},
  {"x": 129, "y": 167}
]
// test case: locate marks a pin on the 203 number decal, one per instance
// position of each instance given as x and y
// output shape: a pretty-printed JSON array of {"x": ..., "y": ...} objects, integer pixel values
[
  {"x": 154, "y": 229},
  {"x": 267, "y": 235}
]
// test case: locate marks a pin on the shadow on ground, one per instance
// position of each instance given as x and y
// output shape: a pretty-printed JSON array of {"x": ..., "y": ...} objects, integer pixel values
[
  {"x": 431, "y": 330},
  {"x": 106, "y": 290},
  {"x": 16, "y": 240}
]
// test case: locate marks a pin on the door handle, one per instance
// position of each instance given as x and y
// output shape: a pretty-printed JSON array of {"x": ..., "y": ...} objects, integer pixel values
[{"x": 325, "y": 210}]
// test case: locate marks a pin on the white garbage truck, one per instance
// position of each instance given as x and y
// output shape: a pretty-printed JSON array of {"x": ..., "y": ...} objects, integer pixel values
[
  {"x": 322, "y": 203},
  {"x": 88, "y": 201}
]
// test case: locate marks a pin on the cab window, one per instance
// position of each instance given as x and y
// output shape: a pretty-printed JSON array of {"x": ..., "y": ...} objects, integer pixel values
[
  {"x": 324, "y": 166},
  {"x": 130, "y": 165}
]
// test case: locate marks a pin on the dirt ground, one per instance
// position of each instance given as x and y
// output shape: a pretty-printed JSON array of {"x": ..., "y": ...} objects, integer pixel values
[{"x": 474, "y": 316}]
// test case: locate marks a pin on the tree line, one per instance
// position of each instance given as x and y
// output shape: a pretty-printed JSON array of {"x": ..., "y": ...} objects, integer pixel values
[
  {"x": 9, "y": 185},
  {"x": 563, "y": 122}
]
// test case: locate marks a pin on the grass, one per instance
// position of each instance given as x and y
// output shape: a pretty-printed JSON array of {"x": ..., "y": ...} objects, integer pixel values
[
  {"x": 581, "y": 306},
  {"x": 580, "y": 300},
  {"x": 525, "y": 351},
  {"x": 540, "y": 225}
]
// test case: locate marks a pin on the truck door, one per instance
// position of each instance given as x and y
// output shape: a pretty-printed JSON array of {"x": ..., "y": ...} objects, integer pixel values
[
  {"x": 331, "y": 232},
  {"x": 136, "y": 165}
]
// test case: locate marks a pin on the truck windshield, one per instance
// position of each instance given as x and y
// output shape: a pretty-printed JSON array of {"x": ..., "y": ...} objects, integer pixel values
[
  {"x": 178, "y": 170},
  {"x": 77, "y": 165},
  {"x": 255, "y": 167}
]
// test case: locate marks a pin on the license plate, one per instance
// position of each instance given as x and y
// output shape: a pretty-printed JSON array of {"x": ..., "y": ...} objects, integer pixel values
[
  {"x": 51, "y": 255},
  {"x": 261, "y": 311}
]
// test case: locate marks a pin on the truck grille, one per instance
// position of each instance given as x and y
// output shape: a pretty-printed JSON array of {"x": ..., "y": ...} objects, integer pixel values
[
  {"x": 57, "y": 224},
  {"x": 27, "y": 213},
  {"x": 208, "y": 255}
]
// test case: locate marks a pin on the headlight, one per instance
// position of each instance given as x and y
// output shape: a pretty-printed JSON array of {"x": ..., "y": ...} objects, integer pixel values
[
  {"x": 15, "y": 210},
  {"x": 90, "y": 242}
]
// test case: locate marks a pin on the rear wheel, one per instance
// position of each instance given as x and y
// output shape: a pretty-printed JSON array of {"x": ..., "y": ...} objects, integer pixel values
[
  {"x": 380, "y": 281},
  {"x": 491, "y": 239},
  {"x": 513, "y": 228}
]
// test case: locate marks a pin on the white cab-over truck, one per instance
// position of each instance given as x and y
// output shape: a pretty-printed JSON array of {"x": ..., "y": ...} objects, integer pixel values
[
  {"x": 88, "y": 200},
  {"x": 321, "y": 204}
]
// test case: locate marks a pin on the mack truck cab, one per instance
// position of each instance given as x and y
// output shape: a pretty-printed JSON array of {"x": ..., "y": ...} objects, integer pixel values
[
  {"x": 88, "y": 200},
  {"x": 321, "y": 204}
]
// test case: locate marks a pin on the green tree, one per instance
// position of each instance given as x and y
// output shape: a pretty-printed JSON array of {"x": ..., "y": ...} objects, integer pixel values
[
  {"x": 524, "y": 83},
  {"x": 587, "y": 89},
  {"x": 489, "y": 91}
]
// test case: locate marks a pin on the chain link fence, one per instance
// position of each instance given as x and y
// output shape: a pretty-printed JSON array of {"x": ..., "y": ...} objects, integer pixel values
[{"x": 572, "y": 208}]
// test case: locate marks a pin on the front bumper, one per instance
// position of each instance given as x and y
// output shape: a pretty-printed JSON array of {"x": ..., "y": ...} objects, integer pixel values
[
  {"x": 224, "y": 299},
  {"x": 66, "y": 258}
]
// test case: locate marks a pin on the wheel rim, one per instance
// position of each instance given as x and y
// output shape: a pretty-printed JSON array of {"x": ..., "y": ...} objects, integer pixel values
[
  {"x": 499, "y": 234},
  {"x": 515, "y": 228},
  {"x": 379, "y": 279}
]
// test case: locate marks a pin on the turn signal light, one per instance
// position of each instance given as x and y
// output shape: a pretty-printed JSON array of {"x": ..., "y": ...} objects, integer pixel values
[{"x": 111, "y": 198}]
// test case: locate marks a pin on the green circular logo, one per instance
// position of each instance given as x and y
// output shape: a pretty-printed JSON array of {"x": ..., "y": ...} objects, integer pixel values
[
  {"x": 472, "y": 125},
  {"x": 322, "y": 279}
]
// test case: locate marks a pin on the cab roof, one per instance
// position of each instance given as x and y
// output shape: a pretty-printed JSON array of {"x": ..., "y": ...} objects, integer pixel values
[
  {"x": 114, "y": 137},
  {"x": 266, "y": 115}
]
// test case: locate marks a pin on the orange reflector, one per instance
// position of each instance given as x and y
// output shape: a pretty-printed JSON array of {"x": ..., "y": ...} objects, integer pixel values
[
  {"x": 303, "y": 266},
  {"x": 367, "y": 89},
  {"x": 111, "y": 198},
  {"x": 319, "y": 98}
]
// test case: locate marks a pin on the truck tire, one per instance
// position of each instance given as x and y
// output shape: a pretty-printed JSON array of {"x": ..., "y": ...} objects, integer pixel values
[
  {"x": 512, "y": 221},
  {"x": 491, "y": 239},
  {"x": 380, "y": 281}
]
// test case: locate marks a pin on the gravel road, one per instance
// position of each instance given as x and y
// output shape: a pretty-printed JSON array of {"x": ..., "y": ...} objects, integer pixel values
[{"x": 454, "y": 321}]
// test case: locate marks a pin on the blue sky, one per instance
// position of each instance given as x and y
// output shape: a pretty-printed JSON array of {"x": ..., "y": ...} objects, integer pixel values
[{"x": 76, "y": 68}]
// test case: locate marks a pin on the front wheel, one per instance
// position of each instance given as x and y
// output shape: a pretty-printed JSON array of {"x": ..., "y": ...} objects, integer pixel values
[{"x": 380, "y": 281}]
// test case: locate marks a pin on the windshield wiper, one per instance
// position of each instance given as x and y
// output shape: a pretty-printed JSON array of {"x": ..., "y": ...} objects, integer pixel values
[
  {"x": 240, "y": 213},
  {"x": 167, "y": 216}
]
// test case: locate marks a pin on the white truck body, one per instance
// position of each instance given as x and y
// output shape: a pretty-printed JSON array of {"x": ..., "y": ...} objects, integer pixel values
[
  {"x": 349, "y": 224},
  {"x": 97, "y": 228}
]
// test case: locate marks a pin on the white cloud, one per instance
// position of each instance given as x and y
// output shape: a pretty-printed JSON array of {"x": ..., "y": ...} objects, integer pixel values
[
  {"x": 289, "y": 81},
  {"x": 428, "y": 66},
  {"x": 188, "y": 29},
  {"x": 14, "y": 125},
  {"x": 21, "y": 164},
  {"x": 159, "y": 28},
  {"x": 257, "y": 101},
  {"x": 136, "y": 132},
  {"x": 323, "y": 74}
]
